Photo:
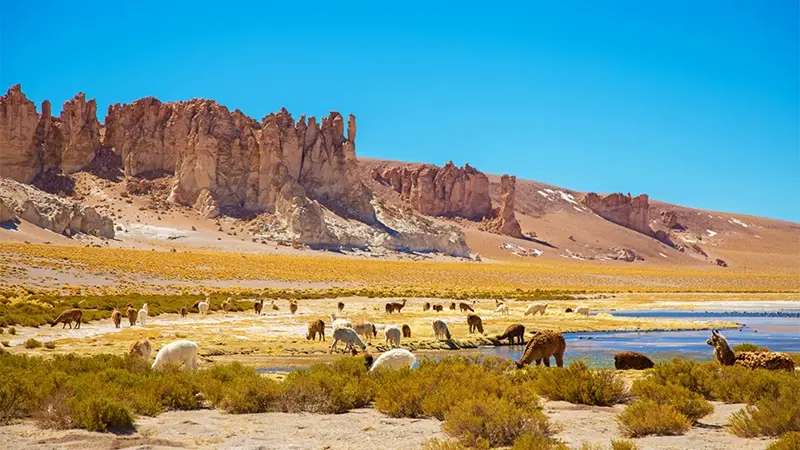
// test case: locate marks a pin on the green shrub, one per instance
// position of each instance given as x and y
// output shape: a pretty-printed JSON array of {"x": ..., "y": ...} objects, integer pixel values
[
  {"x": 537, "y": 442},
  {"x": 100, "y": 414},
  {"x": 50, "y": 345},
  {"x": 697, "y": 377},
  {"x": 328, "y": 388},
  {"x": 645, "y": 417},
  {"x": 769, "y": 416},
  {"x": 578, "y": 384},
  {"x": 401, "y": 394},
  {"x": 32, "y": 343},
  {"x": 486, "y": 420},
  {"x": 237, "y": 389},
  {"x": 737, "y": 384},
  {"x": 789, "y": 441},
  {"x": 690, "y": 404},
  {"x": 623, "y": 444},
  {"x": 17, "y": 394},
  {"x": 748, "y": 347}
]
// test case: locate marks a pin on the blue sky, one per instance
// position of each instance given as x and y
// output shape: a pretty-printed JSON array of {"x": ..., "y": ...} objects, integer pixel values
[{"x": 695, "y": 103}]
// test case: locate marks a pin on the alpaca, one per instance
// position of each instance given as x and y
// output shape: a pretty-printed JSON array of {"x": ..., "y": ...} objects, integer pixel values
[
  {"x": 184, "y": 312},
  {"x": 292, "y": 306},
  {"x": 753, "y": 360},
  {"x": 116, "y": 317},
  {"x": 569, "y": 310},
  {"x": 340, "y": 322},
  {"x": 176, "y": 353},
  {"x": 340, "y": 307},
  {"x": 389, "y": 308},
  {"x": 475, "y": 323},
  {"x": 366, "y": 329},
  {"x": 452, "y": 306},
  {"x": 426, "y": 306},
  {"x": 438, "y": 308},
  {"x": 226, "y": 305},
  {"x": 582, "y": 310},
  {"x": 315, "y": 328},
  {"x": 140, "y": 349},
  {"x": 274, "y": 306},
  {"x": 541, "y": 347},
  {"x": 393, "y": 335},
  {"x": 440, "y": 330},
  {"x": 406, "y": 331},
  {"x": 349, "y": 337},
  {"x": 398, "y": 358},
  {"x": 203, "y": 306},
  {"x": 395, "y": 307},
  {"x": 67, "y": 317},
  {"x": 131, "y": 313},
  {"x": 368, "y": 358},
  {"x": 143, "y": 314},
  {"x": 502, "y": 308},
  {"x": 513, "y": 331},
  {"x": 465, "y": 307},
  {"x": 258, "y": 305},
  {"x": 536, "y": 308},
  {"x": 632, "y": 360}
]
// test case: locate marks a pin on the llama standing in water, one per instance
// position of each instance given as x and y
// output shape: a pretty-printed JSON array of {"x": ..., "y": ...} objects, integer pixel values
[{"x": 541, "y": 347}]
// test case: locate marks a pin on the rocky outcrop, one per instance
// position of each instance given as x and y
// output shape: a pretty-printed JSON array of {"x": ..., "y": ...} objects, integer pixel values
[
  {"x": 6, "y": 214},
  {"x": 53, "y": 213},
  {"x": 447, "y": 191},
  {"x": 81, "y": 139},
  {"x": 630, "y": 212},
  {"x": 18, "y": 123},
  {"x": 206, "y": 205},
  {"x": 505, "y": 221}
]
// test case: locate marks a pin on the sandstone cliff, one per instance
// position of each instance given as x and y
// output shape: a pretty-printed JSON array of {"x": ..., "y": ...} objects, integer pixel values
[
  {"x": 504, "y": 220},
  {"x": 630, "y": 212}
]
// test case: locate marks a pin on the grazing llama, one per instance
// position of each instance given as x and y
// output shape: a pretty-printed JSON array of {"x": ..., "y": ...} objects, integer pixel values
[
  {"x": 438, "y": 308},
  {"x": 143, "y": 314},
  {"x": 116, "y": 317},
  {"x": 475, "y": 323},
  {"x": 515, "y": 331},
  {"x": 67, "y": 317},
  {"x": 502, "y": 308},
  {"x": 340, "y": 307},
  {"x": 541, "y": 347},
  {"x": 184, "y": 312},
  {"x": 426, "y": 306},
  {"x": 465, "y": 307},
  {"x": 258, "y": 305},
  {"x": 440, "y": 330},
  {"x": 395, "y": 359},
  {"x": 274, "y": 306},
  {"x": 536, "y": 308},
  {"x": 340, "y": 322},
  {"x": 406, "y": 330},
  {"x": 582, "y": 310},
  {"x": 177, "y": 353},
  {"x": 349, "y": 337},
  {"x": 632, "y": 361},
  {"x": 393, "y": 335},
  {"x": 140, "y": 349},
  {"x": 292, "y": 306},
  {"x": 452, "y": 306},
  {"x": 131, "y": 313},
  {"x": 366, "y": 329},
  {"x": 315, "y": 328},
  {"x": 754, "y": 360}
]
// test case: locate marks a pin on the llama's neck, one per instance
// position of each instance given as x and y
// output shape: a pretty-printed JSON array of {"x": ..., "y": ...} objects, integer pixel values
[{"x": 723, "y": 353}]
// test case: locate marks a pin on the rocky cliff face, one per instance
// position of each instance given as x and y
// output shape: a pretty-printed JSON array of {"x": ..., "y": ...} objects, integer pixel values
[
  {"x": 630, "y": 212},
  {"x": 18, "y": 123},
  {"x": 505, "y": 221},
  {"x": 447, "y": 191}
]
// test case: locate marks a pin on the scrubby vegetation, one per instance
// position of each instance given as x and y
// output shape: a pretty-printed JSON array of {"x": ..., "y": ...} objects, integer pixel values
[
  {"x": 789, "y": 441},
  {"x": 770, "y": 416},
  {"x": 748, "y": 347},
  {"x": 691, "y": 404},
  {"x": 578, "y": 384},
  {"x": 32, "y": 343}
]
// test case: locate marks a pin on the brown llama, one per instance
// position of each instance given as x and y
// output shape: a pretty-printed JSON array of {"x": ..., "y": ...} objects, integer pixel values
[
  {"x": 753, "y": 360},
  {"x": 140, "y": 349},
  {"x": 67, "y": 317},
  {"x": 315, "y": 328},
  {"x": 116, "y": 317},
  {"x": 438, "y": 308},
  {"x": 452, "y": 306},
  {"x": 541, "y": 347},
  {"x": 513, "y": 331},
  {"x": 184, "y": 312},
  {"x": 389, "y": 308},
  {"x": 406, "y": 331},
  {"x": 132, "y": 314},
  {"x": 292, "y": 306},
  {"x": 475, "y": 323},
  {"x": 465, "y": 307},
  {"x": 426, "y": 306},
  {"x": 340, "y": 307},
  {"x": 632, "y": 361},
  {"x": 258, "y": 305}
]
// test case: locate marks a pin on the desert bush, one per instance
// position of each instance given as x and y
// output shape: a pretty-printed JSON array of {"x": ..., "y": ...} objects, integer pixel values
[
  {"x": 441, "y": 444},
  {"x": 489, "y": 421},
  {"x": 749, "y": 347},
  {"x": 537, "y": 442},
  {"x": 101, "y": 414},
  {"x": 12, "y": 331},
  {"x": 2, "y": 330},
  {"x": 237, "y": 389},
  {"x": 578, "y": 384},
  {"x": 623, "y": 444},
  {"x": 328, "y": 388},
  {"x": 690, "y": 404},
  {"x": 645, "y": 417},
  {"x": 32, "y": 343},
  {"x": 5, "y": 344},
  {"x": 697, "y": 377},
  {"x": 49, "y": 345},
  {"x": 769, "y": 416},
  {"x": 788, "y": 441}
]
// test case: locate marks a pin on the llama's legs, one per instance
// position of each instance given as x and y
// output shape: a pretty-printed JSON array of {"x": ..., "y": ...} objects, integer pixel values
[
  {"x": 333, "y": 346},
  {"x": 546, "y": 361},
  {"x": 559, "y": 359},
  {"x": 79, "y": 324},
  {"x": 539, "y": 362}
]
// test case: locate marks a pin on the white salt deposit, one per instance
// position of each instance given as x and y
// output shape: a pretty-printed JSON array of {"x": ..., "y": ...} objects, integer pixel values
[
  {"x": 737, "y": 222},
  {"x": 665, "y": 256},
  {"x": 711, "y": 233}
]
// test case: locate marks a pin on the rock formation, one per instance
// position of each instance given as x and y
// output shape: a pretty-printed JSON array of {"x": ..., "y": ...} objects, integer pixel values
[
  {"x": 53, "y": 213},
  {"x": 447, "y": 191},
  {"x": 18, "y": 122},
  {"x": 6, "y": 214},
  {"x": 81, "y": 139},
  {"x": 630, "y": 212},
  {"x": 505, "y": 221}
]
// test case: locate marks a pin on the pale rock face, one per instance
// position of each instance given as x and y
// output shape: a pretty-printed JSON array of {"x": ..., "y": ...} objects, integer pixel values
[
  {"x": 49, "y": 139},
  {"x": 18, "y": 123},
  {"x": 81, "y": 133},
  {"x": 6, "y": 214},
  {"x": 630, "y": 212},
  {"x": 51, "y": 212},
  {"x": 505, "y": 221},
  {"x": 206, "y": 205}
]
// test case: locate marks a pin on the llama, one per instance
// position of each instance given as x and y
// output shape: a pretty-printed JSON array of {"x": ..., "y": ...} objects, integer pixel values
[
  {"x": 315, "y": 328},
  {"x": 632, "y": 361},
  {"x": 475, "y": 323},
  {"x": 274, "y": 306},
  {"x": 406, "y": 330},
  {"x": 440, "y": 330},
  {"x": 340, "y": 307},
  {"x": 452, "y": 306},
  {"x": 184, "y": 312},
  {"x": 582, "y": 310},
  {"x": 753, "y": 360},
  {"x": 176, "y": 353},
  {"x": 116, "y": 317},
  {"x": 393, "y": 335},
  {"x": 349, "y": 337},
  {"x": 143, "y": 314},
  {"x": 140, "y": 349},
  {"x": 426, "y": 306},
  {"x": 465, "y": 307},
  {"x": 131, "y": 313},
  {"x": 513, "y": 331},
  {"x": 67, "y": 317},
  {"x": 292, "y": 306},
  {"x": 536, "y": 308},
  {"x": 438, "y": 308},
  {"x": 258, "y": 305},
  {"x": 340, "y": 322},
  {"x": 395, "y": 359},
  {"x": 366, "y": 329},
  {"x": 226, "y": 305},
  {"x": 395, "y": 307},
  {"x": 203, "y": 306},
  {"x": 502, "y": 308},
  {"x": 541, "y": 347},
  {"x": 368, "y": 358}
]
